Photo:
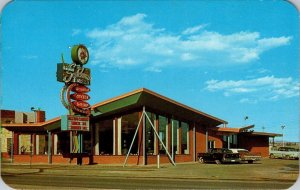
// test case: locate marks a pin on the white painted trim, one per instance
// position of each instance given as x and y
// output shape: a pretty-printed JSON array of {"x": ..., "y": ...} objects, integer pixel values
[{"x": 119, "y": 129}]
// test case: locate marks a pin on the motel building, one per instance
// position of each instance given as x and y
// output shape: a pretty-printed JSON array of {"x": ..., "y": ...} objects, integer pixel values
[{"x": 133, "y": 128}]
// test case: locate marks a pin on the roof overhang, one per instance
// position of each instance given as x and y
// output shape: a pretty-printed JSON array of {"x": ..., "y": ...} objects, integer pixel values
[
  {"x": 243, "y": 131},
  {"x": 228, "y": 131},
  {"x": 261, "y": 134},
  {"x": 32, "y": 127},
  {"x": 152, "y": 102}
]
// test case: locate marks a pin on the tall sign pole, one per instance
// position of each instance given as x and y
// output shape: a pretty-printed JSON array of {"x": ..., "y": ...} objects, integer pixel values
[{"x": 74, "y": 98}]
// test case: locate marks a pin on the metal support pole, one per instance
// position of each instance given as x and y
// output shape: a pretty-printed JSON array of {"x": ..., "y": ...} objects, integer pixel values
[
  {"x": 206, "y": 141},
  {"x": 144, "y": 137},
  {"x": 158, "y": 161},
  {"x": 12, "y": 148},
  {"x": 160, "y": 139},
  {"x": 194, "y": 142},
  {"x": 172, "y": 137},
  {"x": 136, "y": 131},
  {"x": 49, "y": 148},
  {"x": 228, "y": 141}
]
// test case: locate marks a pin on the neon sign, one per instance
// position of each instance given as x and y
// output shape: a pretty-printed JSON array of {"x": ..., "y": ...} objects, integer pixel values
[{"x": 76, "y": 78}]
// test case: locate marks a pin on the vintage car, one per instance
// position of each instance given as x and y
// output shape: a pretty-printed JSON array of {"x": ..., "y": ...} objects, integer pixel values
[
  {"x": 246, "y": 156},
  {"x": 285, "y": 153},
  {"x": 219, "y": 155}
]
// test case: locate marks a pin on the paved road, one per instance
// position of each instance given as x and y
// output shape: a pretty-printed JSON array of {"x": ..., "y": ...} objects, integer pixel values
[
  {"x": 267, "y": 174},
  {"x": 39, "y": 181}
]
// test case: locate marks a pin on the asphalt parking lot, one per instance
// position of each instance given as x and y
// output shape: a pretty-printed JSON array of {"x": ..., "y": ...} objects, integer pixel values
[{"x": 268, "y": 173}]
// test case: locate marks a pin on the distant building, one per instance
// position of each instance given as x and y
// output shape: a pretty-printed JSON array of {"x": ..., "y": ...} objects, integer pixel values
[
  {"x": 17, "y": 117},
  {"x": 157, "y": 124}
]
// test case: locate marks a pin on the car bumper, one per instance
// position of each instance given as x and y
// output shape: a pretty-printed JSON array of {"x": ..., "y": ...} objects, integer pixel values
[{"x": 231, "y": 160}]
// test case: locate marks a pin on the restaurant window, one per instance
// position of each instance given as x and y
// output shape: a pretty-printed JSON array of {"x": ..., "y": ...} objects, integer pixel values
[
  {"x": 129, "y": 125},
  {"x": 86, "y": 142},
  {"x": 63, "y": 143},
  {"x": 150, "y": 133},
  {"x": 163, "y": 122},
  {"x": 184, "y": 138},
  {"x": 106, "y": 137}
]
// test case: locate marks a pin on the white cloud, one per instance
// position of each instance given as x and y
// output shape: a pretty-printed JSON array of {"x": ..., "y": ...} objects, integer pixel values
[
  {"x": 194, "y": 29},
  {"x": 75, "y": 32},
  {"x": 259, "y": 89},
  {"x": 133, "y": 42}
]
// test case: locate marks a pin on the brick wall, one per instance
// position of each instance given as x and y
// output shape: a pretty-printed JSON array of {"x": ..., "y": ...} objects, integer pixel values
[{"x": 255, "y": 144}]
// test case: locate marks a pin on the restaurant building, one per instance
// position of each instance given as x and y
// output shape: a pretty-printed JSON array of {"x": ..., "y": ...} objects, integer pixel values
[{"x": 129, "y": 129}]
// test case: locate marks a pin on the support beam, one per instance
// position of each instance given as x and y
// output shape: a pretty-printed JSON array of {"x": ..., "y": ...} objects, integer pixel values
[
  {"x": 228, "y": 141},
  {"x": 96, "y": 148},
  {"x": 12, "y": 147},
  {"x": 55, "y": 140},
  {"x": 119, "y": 136},
  {"x": 206, "y": 141},
  {"x": 37, "y": 144},
  {"x": 49, "y": 147},
  {"x": 172, "y": 137},
  {"x": 168, "y": 135},
  {"x": 160, "y": 139},
  {"x": 156, "y": 144},
  {"x": 144, "y": 137},
  {"x": 194, "y": 142}
]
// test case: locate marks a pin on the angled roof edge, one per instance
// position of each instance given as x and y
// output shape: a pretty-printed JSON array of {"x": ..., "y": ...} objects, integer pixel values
[{"x": 141, "y": 90}]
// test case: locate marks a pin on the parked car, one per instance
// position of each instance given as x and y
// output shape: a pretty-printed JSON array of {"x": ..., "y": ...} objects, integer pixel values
[
  {"x": 246, "y": 156},
  {"x": 219, "y": 155},
  {"x": 285, "y": 153}
]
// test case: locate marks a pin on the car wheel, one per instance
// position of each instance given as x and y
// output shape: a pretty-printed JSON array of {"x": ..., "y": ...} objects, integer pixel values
[
  {"x": 250, "y": 161},
  {"x": 218, "y": 161},
  {"x": 201, "y": 160},
  {"x": 272, "y": 156}
]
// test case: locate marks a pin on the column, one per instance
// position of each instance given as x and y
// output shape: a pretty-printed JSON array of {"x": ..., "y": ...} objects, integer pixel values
[
  {"x": 144, "y": 136},
  {"x": 97, "y": 125},
  {"x": 228, "y": 141},
  {"x": 49, "y": 147},
  {"x": 172, "y": 137},
  {"x": 140, "y": 136},
  {"x": 206, "y": 140},
  {"x": 16, "y": 143},
  {"x": 156, "y": 141},
  {"x": 179, "y": 142},
  {"x": 55, "y": 141},
  {"x": 37, "y": 144},
  {"x": 115, "y": 136},
  {"x": 194, "y": 142},
  {"x": 168, "y": 135},
  {"x": 119, "y": 135},
  {"x": 33, "y": 144}
]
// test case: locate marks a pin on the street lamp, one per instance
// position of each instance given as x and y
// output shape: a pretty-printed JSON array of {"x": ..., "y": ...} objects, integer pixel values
[{"x": 282, "y": 127}]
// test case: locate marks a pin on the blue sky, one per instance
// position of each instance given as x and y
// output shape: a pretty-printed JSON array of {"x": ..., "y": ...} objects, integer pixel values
[{"x": 230, "y": 59}]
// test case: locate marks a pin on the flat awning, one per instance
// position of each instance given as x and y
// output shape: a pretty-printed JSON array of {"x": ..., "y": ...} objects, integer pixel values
[
  {"x": 31, "y": 127},
  {"x": 153, "y": 102},
  {"x": 229, "y": 130},
  {"x": 261, "y": 134}
]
